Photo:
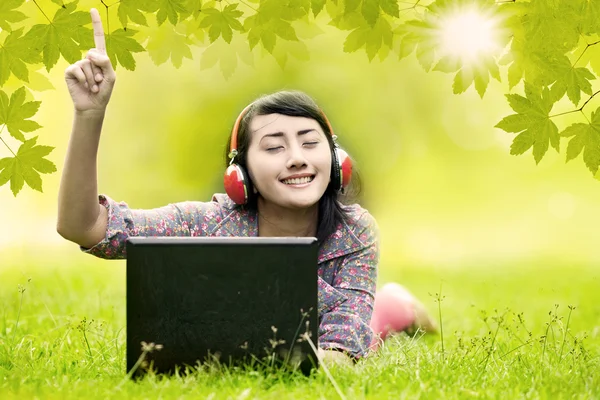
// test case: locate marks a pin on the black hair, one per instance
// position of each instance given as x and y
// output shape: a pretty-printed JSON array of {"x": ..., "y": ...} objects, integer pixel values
[{"x": 297, "y": 104}]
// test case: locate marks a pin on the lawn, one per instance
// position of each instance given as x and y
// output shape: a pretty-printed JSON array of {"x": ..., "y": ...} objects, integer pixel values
[{"x": 518, "y": 330}]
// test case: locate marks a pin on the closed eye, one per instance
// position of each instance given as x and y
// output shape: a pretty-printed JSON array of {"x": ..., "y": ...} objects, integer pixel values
[
  {"x": 311, "y": 144},
  {"x": 274, "y": 148}
]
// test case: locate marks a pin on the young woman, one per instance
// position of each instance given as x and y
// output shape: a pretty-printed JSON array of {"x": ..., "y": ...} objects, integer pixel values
[{"x": 285, "y": 177}]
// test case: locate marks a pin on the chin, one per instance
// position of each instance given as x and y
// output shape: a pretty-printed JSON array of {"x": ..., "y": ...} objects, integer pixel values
[{"x": 299, "y": 202}]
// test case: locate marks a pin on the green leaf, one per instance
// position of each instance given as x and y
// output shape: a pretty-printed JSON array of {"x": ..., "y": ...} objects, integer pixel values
[
  {"x": 14, "y": 53},
  {"x": 298, "y": 50},
  {"x": 65, "y": 35},
  {"x": 371, "y": 38},
  {"x": 119, "y": 46},
  {"x": 222, "y": 23},
  {"x": 9, "y": 14},
  {"x": 165, "y": 43},
  {"x": 548, "y": 26},
  {"x": 585, "y": 137},
  {"x": 350, "y": 6},
  {"x": 530, "y": 64},
  {"x": 14, "y": 113},
  {"x": 226, "y": 55},
  {"x": 37, "y": 81},
  {"x": 170, "y": 9},
  {"x": 532, "y": 121},
  {"x": 370, "y": 11},
  {"x": 26, "y": 166},
  {"x": 479, "y": 74},
  {"x": 462, "y": 80},
  {"x": 133, "y": 10},
  {"x": 193, "y": 8},
  {"x": 390, "y": 7},
  {"x": 317, "y": 6},
  {"x": 270, "y": 21},
  {"x": 448, "y": 64},
  {"x": 421, "y": 35},
  {"x": 571, "y": 80}
]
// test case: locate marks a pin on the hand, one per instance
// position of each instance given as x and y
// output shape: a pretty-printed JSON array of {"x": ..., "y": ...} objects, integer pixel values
[
  {"x": 330, "y": 357},
  {"x": 91, "y": 80}
]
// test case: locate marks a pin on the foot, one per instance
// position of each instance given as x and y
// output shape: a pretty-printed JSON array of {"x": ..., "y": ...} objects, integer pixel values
[{"x": 397, "y": 310}]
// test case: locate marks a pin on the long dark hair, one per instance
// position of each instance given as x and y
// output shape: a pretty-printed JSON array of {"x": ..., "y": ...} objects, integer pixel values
[{"x": 297, "y": 104}]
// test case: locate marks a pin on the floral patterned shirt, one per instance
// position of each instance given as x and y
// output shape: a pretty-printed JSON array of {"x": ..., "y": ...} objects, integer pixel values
[{"x": 347, "y": 269}]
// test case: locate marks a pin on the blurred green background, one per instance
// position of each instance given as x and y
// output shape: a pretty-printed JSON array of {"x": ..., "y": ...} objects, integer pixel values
[{"x": 436, "y": 173}]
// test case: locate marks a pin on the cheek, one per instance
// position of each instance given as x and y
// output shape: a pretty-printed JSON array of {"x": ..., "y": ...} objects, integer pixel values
[
  {"x": 326, "y": 160},
  {"x": 258, "y": 169}
]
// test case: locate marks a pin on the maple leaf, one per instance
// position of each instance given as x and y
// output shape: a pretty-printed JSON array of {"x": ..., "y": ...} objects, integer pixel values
[
  {"x": 9, "y": 14},
  {"x": 14, "y": 113},
  {"x": 419, "y": 36},
  {"x": 468, "y": 74},
  {"x": 585, "y": 137},
  {"x": 132, "y": 10},
  {"x": 193, "y": 8},
  {"x": 371, "y": 9},
  {"x": 26, "y": 166},
  {"x": 14, "y": 53},
  {"x": 226, "y": 55},
  {"x": 165, "y": 43},
  {"x": 532, "y": 122},
  {"x": 120, "y": 45},
  {"x": 170, "y": 9},
  {"x": 298, "y": 50},
  {"x": 371, "y": 38},
  {"x": 317, "y": 6},
  {"x": 222, "y": 23},
  {"x": 548, "y": 27},
  {"x": 571, "y": 80},
  {"x": 65, "y": 35},
  {"x": 272, "y": 20}
]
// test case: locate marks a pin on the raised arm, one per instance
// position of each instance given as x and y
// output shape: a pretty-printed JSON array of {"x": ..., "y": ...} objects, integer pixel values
[{"x": 81, "y": 219}]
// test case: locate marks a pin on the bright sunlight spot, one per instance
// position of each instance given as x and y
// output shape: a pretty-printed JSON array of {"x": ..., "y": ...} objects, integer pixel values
[{"x": 469, "y": 33}]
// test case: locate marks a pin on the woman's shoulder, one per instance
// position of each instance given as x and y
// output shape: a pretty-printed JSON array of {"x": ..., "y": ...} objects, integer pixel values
[
  {"x": 360, "y": 222},
  {"x": 219, "y": 202}
]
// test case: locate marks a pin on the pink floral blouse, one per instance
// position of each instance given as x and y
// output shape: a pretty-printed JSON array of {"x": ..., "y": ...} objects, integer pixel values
[{"x": 347, "y": 270}]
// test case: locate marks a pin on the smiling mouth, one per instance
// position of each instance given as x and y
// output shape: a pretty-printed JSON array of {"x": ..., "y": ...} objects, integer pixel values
[{"x": 298, "y": 181}]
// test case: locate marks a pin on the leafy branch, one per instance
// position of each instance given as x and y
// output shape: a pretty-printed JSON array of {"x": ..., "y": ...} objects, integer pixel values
[{"x": 534, "y": 42}]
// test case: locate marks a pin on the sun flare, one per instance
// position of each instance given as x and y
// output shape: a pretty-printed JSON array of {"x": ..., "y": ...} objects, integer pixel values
[{"x": 468, "y": 34}]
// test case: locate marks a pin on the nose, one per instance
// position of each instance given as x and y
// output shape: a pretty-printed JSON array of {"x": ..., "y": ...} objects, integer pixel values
[{"x": 296, "y": 157}]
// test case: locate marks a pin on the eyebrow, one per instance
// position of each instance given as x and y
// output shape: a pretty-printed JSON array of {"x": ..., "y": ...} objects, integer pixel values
[{"x": 280, "y": 134}]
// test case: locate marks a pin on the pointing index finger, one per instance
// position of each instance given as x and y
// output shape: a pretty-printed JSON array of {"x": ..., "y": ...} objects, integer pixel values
[{"x": 98, "y": 31}]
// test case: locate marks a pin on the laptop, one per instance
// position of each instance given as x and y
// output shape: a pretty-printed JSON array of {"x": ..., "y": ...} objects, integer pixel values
[{"x": 232, "y": 300}]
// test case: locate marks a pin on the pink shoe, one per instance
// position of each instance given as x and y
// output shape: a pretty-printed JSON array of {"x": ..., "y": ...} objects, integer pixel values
[{"x": 396, "y": 310}]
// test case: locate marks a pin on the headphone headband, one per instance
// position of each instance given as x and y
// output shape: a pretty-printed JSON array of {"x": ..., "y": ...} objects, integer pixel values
[{"x": 236, "y": 127}]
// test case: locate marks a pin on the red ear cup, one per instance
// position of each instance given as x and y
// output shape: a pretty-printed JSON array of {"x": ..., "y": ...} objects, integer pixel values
[
  {"x": 345, "y": 167},
  {"x": 341, "y": 169},
  {"x": 236, "y": 184}
]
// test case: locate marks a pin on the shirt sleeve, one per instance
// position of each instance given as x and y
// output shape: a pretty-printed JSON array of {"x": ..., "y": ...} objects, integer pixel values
[
  {"x": 179, "y": 219},
  {"x": 345, "y": 324}
]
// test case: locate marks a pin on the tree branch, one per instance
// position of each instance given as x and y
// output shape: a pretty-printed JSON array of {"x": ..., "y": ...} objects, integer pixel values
[
  {"x": 412, "y": 7},
  {"x": 584, "y": 50},
  {"x": 579, "y": 109}
]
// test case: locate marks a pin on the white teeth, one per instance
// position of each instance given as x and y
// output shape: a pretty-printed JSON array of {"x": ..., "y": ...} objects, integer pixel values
[{"x": 298, "y": 181}]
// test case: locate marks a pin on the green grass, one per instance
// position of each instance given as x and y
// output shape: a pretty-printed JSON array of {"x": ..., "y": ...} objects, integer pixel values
[{"x": 509, "y": 331}]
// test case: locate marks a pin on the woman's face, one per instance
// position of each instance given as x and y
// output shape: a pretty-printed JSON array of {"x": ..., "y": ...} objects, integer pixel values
[{"x": 289, "y": 160}]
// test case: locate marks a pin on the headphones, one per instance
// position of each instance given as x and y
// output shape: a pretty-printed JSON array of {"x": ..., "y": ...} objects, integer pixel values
[{"x": 236, "y": 180}]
